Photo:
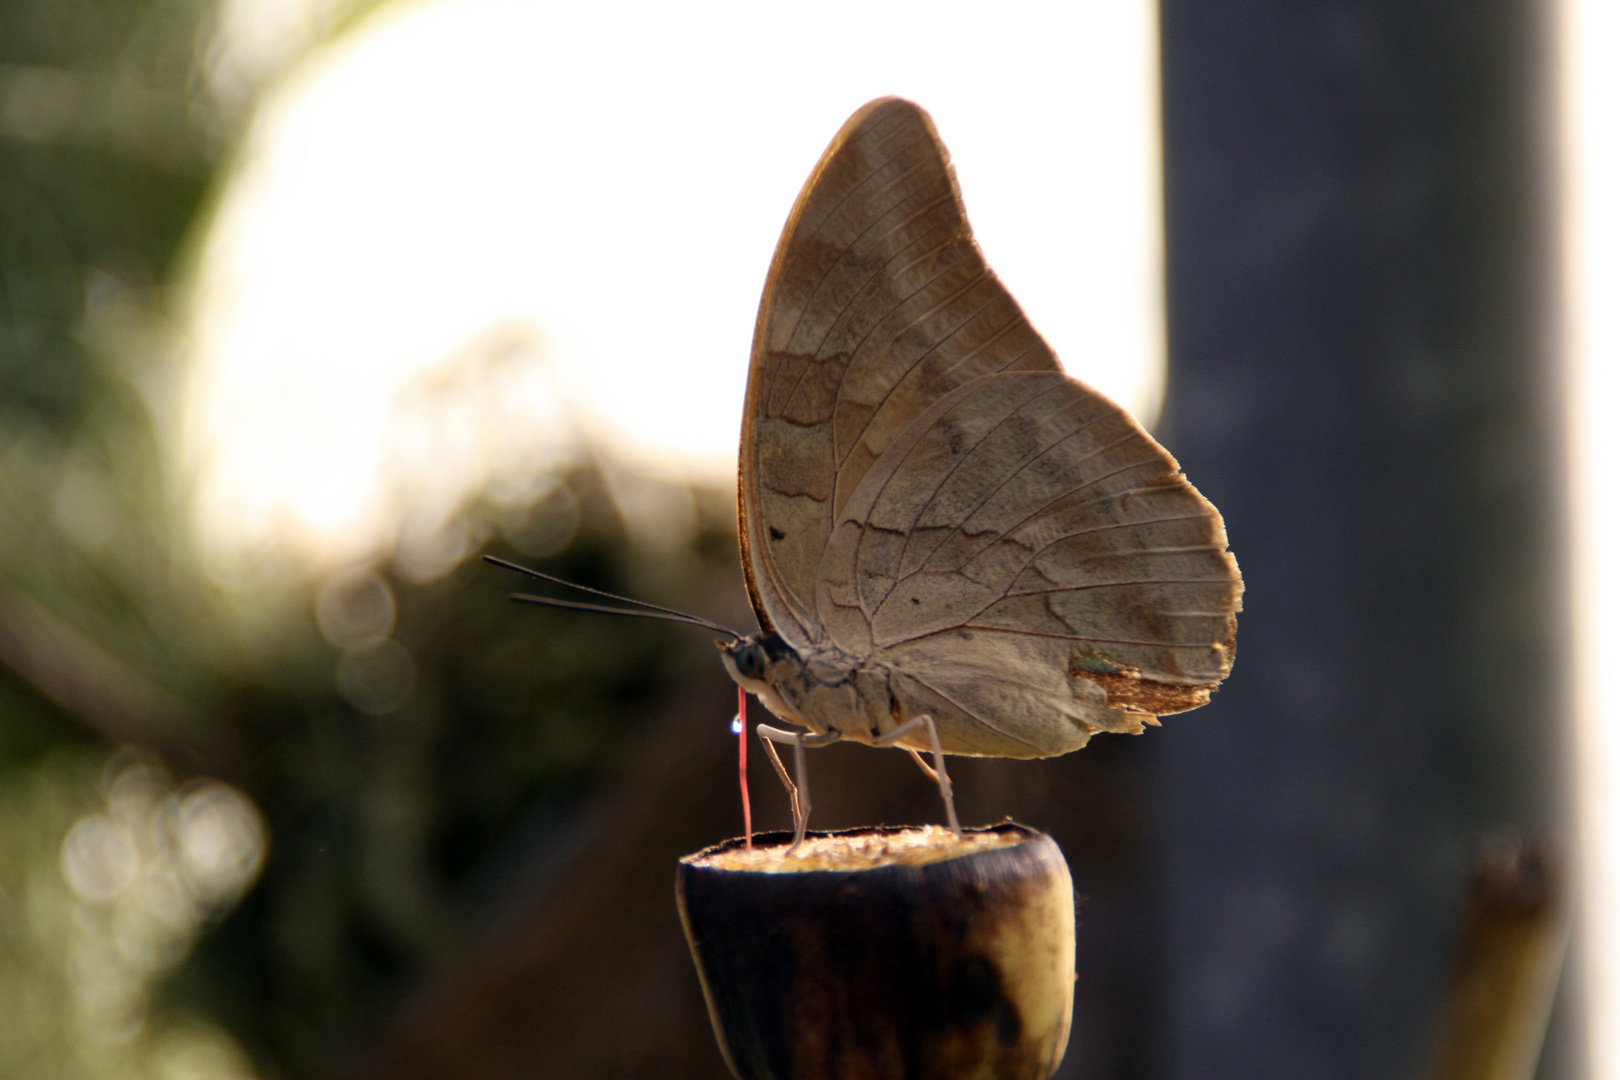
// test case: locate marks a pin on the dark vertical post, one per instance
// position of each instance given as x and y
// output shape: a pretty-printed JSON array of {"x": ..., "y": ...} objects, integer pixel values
[{"x": 1364, "y": 380}]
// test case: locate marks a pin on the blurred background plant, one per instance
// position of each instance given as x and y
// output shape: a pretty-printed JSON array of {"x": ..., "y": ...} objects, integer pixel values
[
  {"x": 148, "y": 711},
  {"x": 108, "y": 146}
]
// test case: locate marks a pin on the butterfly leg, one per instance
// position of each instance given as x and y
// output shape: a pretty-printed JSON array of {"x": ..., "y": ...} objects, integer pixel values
[
  {"x": 928, "y": 770},
  {"x": 937, "y": 773},
  {"x": 770, "y": 736},
  {"x": 798, "y": 792}
]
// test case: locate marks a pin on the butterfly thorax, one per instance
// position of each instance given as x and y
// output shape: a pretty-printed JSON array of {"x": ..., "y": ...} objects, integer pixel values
[{"x": 820, "y": 688}]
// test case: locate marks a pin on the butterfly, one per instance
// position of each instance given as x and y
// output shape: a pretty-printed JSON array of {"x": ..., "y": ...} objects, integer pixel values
[{"x": 950, "y": 544}]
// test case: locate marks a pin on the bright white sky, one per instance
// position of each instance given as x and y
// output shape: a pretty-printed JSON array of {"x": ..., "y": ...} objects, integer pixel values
[
  {"x": 1591, "y": 38},
  {"x": 600, "y": 187}
]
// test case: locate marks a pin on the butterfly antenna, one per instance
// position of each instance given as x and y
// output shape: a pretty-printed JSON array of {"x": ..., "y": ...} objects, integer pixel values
[{"x": 652, "y": 611}]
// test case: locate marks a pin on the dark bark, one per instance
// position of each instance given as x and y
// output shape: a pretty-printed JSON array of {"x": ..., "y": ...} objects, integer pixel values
[
  {"x": 1364, "y": 379},
  {"x": 955, "y": 967}
]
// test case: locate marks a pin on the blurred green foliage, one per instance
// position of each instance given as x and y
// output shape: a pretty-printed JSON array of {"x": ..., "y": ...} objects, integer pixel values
[
  {"x": 106, "y": 152},
  {"x": 393, "y": 821}
]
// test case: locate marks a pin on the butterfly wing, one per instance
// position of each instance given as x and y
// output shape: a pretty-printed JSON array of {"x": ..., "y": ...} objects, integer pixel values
[
  {"x": 878, "y": 303},
  {"x": 921, "y": 484},
  {"x": 1034, "y": 567}
]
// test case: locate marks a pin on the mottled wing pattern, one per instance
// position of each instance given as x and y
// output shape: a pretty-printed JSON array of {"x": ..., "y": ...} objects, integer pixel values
[
  {"x": 878, "y": 304},
  {"x": 1029, "y": 556}
]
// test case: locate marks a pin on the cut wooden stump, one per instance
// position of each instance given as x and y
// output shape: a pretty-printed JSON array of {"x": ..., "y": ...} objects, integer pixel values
[{"x": 885, "y": 952}]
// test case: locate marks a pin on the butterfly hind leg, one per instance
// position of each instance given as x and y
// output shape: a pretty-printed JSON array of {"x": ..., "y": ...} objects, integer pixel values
[
  {"x": 799, "y": 793},
  {"x": 937, "y": 773}
]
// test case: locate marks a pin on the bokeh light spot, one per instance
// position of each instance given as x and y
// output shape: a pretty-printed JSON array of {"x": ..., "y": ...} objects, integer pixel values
[
  {"x": 376, "y": 677},
  {"x": 221, "y": 841},
  {"x": 99, "y": 858},
  {"x": 355, "y": 606}
]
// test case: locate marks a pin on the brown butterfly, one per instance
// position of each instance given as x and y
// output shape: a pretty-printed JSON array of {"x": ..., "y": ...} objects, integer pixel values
[{"x": 951, "y": 545}]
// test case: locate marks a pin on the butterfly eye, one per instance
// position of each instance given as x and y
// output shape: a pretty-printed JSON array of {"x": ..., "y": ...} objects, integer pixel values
[{"x": 750, "y": 661}]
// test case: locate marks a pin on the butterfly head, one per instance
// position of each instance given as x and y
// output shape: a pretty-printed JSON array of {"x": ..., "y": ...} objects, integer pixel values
[
  {"x": 759, "y": 664},
  {"x": 749, "y": 660}
]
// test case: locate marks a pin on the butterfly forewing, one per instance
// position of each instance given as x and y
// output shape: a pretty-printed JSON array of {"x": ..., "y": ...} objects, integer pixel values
[
  {"x": 878, "y": 303},
  {"x": 924, "y": 489}
]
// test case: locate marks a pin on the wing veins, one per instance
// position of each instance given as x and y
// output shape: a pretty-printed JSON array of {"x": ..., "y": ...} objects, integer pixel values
[
  {"x": 983, "y": 629},
  {"x": 885, "y": 273},
  {"x": 1022, "y": 466},
  {"x": 1007, "y": 328},
  {"x": 821, "y": 282},
  {"x": 936, "y": 309},
  {"x": 880, "y": 272},
  {"x": 986, "y": 272},
  {"x": 1089, "y": 638},
  {"x": 1117, "y": 585},
  {"x": 1036, "y": 513},
  {"x": 1046, "y": 547},
  {"x": 1044, "y": 507},
  {"x": 939, "y": 487},
  {"x": 860, "y": 540},
  {"x": 931, "y": 351},
  {"x": 1184, "y": 549},
  {"x": 971, "y": 712},
  {"x": 881, "y": 147},
  {"x": 1059, "y": 498}
]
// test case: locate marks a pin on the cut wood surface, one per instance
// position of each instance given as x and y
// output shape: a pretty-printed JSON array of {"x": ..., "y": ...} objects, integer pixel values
[{"x": 885, "y": 952}]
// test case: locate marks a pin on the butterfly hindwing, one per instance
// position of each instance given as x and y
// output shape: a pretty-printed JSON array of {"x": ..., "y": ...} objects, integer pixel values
[{"x": 1027, "y": 531}]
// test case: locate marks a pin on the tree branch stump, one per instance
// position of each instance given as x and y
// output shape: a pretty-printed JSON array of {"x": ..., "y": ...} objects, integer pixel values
[{"x": 885, "y": 952}]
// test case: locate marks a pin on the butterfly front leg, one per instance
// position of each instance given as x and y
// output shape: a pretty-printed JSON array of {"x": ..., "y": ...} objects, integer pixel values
[
  {"x": 799, "y": 793},
  {"x": 937, "y": 773}
]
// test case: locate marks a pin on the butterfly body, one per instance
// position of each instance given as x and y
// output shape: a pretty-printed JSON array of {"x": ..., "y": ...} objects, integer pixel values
[
  {"x": 826, "y": 691},
  {"x": 935, "y": 519},
  {"x": 861, "y": 699}
]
